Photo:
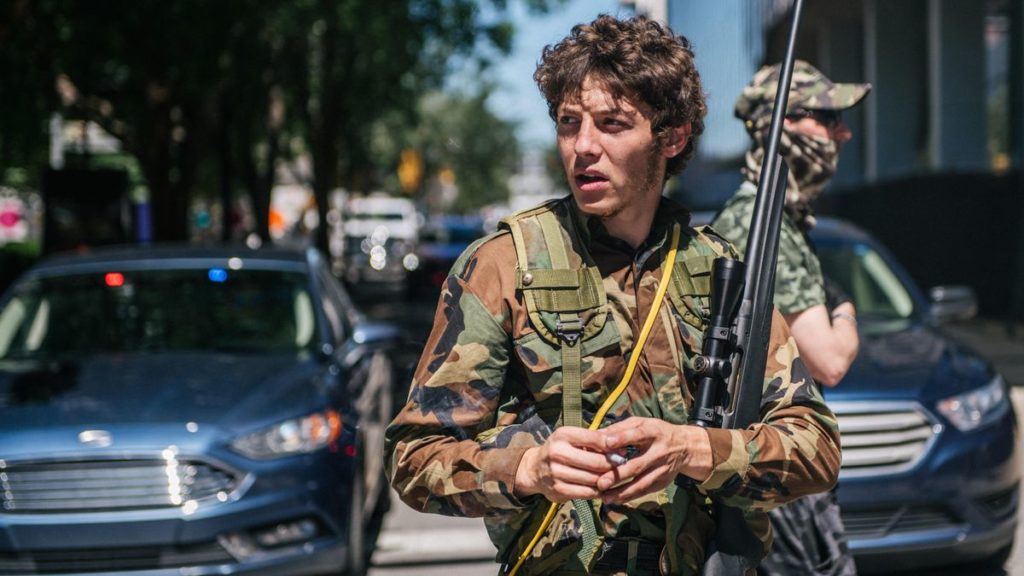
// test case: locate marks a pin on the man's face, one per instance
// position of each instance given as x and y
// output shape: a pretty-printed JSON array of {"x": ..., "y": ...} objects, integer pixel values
[
  {"x": 611, "y": 158},
  {"x": 812, "y": 126}
]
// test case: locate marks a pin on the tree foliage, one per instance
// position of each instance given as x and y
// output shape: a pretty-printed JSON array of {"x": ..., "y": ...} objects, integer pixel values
[
  {"x": 210, "y": 95},
  {"x": 457, "y": 133}
]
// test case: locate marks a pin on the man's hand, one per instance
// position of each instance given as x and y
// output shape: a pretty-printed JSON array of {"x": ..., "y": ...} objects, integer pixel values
[
  {"x": 664, "y": 451},
  {"x": 565, "y": 467}
]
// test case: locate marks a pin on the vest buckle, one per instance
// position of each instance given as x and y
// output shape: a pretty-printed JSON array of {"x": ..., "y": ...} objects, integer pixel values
[{"x": 569, "y": 330}]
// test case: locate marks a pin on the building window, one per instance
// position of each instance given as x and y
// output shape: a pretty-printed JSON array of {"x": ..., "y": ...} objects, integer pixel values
[{"x": 997, "y": 84}]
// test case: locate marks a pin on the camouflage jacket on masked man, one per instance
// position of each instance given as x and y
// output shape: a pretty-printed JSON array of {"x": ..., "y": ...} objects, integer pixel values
[{"x": 812, "y": 162}]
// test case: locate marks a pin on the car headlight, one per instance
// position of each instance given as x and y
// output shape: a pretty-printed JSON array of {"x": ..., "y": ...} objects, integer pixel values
[
  {"x": 294, "y": 436},
  {"x": 378, "y": 257},
  {"x": 978, "y": 407},
  {"x": 411, "y": 262}
]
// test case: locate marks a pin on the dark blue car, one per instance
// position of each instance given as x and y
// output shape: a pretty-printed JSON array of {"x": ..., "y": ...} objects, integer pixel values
[
  {"x": 931, "y": 451},
  {"x": 189, "y": 411}
]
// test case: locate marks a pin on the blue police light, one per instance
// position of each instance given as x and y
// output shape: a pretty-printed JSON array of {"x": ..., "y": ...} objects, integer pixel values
[{"x": 217, "y": 275}]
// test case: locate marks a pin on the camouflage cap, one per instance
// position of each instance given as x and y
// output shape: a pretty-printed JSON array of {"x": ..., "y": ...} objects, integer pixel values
[{"x": 810, "y": 89}]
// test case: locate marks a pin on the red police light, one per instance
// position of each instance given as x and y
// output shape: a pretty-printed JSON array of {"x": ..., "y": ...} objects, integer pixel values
[{"x": 113, "y": 279}]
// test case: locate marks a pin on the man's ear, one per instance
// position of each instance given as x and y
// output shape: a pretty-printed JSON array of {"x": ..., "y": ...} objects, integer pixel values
[{"x": 676, "y": 140}]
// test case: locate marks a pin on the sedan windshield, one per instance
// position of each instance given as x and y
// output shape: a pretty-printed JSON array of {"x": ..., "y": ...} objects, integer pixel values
[
  {"x": 863, "y": 273},
  {"x": 157, "y": 310}
]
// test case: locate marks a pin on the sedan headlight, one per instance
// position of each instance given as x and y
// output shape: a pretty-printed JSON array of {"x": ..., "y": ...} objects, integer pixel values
[
  {"x": 294, "y": 436},
  {"x": 978, "y": 407}
]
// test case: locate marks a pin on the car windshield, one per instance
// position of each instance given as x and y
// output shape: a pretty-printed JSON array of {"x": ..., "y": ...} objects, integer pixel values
[
  {"x": 880, "y": 296},
  {"x": 157, "y": 310}
]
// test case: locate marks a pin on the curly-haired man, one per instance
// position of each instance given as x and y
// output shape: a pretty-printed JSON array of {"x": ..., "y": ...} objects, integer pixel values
[{"x": 553, "y": 395}]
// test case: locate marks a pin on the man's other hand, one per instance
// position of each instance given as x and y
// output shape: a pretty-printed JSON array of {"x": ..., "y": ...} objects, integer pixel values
[
  {"x": 566, "y": 467},
  {"x": 663, "y": 452}
]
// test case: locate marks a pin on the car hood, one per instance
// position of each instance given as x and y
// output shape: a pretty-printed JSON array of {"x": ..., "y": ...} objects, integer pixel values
[
  {"x": 910, "y": 362},
  {"x": 223, "y": 389}
]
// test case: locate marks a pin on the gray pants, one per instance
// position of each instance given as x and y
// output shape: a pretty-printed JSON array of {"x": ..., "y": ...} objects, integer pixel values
[{"x": 809, "y": 540}]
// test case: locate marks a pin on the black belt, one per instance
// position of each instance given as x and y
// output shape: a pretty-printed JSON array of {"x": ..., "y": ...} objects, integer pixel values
[{"x": 634, "y": 556}]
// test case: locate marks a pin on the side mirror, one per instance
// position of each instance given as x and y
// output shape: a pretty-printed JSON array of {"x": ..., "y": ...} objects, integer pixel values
[
  {"x": 952, "y": 303},
  {"x": 368, "y": 337}
]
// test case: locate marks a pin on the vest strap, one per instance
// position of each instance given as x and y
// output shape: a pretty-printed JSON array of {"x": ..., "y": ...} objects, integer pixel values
[
  {"x": 591, "y": 542},
  {"x": 569, "y": 329}
]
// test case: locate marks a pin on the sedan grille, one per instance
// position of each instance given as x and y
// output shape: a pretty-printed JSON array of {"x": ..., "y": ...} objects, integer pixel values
[
  {"x": 882, "y": 438},
  {"x": 107, "y": 485},
  {"x": 903, "y": 519}
]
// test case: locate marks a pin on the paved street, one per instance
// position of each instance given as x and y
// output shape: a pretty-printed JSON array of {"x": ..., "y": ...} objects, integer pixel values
[{"x": 424, "y": 545}]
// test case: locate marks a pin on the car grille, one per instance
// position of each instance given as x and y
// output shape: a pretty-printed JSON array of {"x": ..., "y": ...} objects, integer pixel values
[
  {"x": 882, "y": 438},
  {"x": 113, "y": 559},
  {"x": 883, "y": 522},
  {"x": 108, "y": 485}
]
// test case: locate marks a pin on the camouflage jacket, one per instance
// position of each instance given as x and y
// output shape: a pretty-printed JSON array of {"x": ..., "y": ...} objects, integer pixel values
[
  {"x": 799, "y": 283},
  {"x": 486, "y": 389}
]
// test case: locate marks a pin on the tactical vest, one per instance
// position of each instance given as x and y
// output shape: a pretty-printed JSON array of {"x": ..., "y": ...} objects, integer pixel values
[{"x": 567, "y": 306}]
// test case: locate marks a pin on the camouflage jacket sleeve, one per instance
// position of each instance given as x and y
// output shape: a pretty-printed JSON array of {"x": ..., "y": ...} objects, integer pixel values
[
  {"x": 444, "y": 453},
  {"x": 792, "y": 452},
  {"x": 799, "y": 284}
]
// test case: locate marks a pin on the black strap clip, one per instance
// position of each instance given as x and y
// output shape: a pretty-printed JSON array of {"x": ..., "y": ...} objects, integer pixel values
[{"x": 570, "y": 330}]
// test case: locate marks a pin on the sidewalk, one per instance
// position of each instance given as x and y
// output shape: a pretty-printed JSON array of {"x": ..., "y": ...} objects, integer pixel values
[
  {"x": 989, "y": 338},
  {"x": 410, "y": 538}
]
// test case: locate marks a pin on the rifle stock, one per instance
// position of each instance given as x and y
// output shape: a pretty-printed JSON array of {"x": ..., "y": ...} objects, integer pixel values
[{"x": 732, "y": 398}]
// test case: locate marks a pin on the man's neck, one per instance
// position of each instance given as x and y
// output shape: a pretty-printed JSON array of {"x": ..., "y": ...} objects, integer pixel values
[
  {"x": 633, "y": 232},
  {"x": 632, "y": 225}
]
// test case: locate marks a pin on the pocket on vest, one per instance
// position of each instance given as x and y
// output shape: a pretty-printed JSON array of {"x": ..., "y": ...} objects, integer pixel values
[{"x": 542, "y": 362}]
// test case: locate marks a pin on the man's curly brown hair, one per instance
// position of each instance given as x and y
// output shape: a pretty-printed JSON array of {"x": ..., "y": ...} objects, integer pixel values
[{"x": 638, "y": 59}]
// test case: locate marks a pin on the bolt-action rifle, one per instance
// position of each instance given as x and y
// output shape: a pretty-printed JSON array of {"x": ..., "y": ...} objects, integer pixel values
[{"x": 738, "y": 332}]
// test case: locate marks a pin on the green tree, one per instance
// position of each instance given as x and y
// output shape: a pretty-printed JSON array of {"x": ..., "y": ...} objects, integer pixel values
[
  {"x": 204, "y": 92},
  {"x": 455, "y": 132},
  {"x": 27, "y": 97}
]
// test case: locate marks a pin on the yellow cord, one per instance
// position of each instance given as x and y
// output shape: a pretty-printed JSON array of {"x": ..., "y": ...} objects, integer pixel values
[{"x": 666, "y": 277}]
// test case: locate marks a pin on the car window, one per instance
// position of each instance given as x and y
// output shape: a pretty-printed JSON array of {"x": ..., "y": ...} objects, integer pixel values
[
  {"x": 155, "y": 310},
  {"x": 864, "y": 274}
]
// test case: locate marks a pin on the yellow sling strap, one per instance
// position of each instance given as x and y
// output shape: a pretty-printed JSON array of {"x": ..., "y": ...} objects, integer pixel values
[{"x": 666, "y": 277}]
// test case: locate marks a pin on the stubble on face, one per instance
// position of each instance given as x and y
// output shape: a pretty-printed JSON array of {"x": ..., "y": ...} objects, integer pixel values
[{"x": 652, "y": 178}]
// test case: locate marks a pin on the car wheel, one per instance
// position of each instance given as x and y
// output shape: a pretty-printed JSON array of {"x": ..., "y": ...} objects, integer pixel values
[
  {"x": 355, "y": 562},
  {"x": 377, "y": 420},
  {"x": 379, "y": 511},
  {"x": 378, "y": 490}
]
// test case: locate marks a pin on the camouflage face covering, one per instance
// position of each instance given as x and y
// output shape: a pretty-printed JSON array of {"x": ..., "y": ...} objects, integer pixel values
[{"x": 812, "y": 162}]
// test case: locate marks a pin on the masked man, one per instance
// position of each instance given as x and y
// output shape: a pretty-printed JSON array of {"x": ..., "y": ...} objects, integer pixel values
[{"x": 809, "y": 538}]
